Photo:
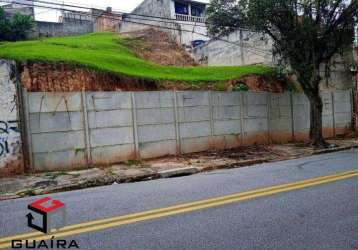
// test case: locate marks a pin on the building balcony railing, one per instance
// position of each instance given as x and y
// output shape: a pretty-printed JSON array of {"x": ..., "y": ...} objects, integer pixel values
[{"x": 188, "y": 18}]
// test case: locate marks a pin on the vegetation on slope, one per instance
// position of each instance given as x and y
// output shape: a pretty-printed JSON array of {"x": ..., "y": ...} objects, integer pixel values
[{"x": 108, "y": 52}]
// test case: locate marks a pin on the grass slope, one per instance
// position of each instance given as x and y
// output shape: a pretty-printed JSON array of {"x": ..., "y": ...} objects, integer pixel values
[{"x": 109, "y": 52}]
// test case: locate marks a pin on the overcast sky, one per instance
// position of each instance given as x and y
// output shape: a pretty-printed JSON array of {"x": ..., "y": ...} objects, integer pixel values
[{"x": 119, "y": 5}]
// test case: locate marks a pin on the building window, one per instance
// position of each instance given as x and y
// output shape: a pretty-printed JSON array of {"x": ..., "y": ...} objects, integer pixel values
[
  {"x": 197, "y": 10},
  {"x": 181, "y": 8}
]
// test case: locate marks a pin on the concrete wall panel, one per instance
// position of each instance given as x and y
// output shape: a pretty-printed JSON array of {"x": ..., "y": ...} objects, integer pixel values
[
  {"x": 57, "y": 141},
  {"x": 155, "y": 116},
  {"x": 162, "y": 99},
  {"x": 54, "y": 102},
  {"x": 99, "y": 101},
  {"x": 195, "y": 129},
  {"x": 108, "y": 119},
  {"x": 112, "y": 154},
  {"x": 157, "y": 149},
  {"x": 56, "y": 122},
  {"x": 152, "y": 133},
  {"x": 228, "y": 127},
  {"x": 53, "y": 161},
  {"x": 111, "y": 136}
]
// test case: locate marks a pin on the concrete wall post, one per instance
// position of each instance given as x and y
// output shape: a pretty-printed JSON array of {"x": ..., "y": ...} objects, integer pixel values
[
  {"x": 176, "y": 122},
  {"x": 292, "y": 117},
  {"x": 333, "y": 115},
  {"x": 135, "y": 126},
  {"x": 242, "y": 117},
  {"x": 211, "y": 110},
  {"x": 86, "y": 128},
  {"x": 27, "y": 135}
]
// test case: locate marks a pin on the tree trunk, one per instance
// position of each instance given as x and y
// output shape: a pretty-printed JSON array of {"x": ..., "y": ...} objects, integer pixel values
[{"x": 316, "y": 133}]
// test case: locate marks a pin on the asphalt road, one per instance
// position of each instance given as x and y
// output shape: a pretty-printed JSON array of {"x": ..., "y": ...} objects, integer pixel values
[{"x": 319, "y": 217}]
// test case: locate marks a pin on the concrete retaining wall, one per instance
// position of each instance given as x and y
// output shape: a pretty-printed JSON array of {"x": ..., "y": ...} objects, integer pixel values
[
  {"x": 10, "y": 139},
  {"x": 72, "y": 130}
]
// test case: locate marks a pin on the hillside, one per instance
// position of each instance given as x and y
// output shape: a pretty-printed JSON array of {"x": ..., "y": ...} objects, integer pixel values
[{"x": 107, "y": 52}]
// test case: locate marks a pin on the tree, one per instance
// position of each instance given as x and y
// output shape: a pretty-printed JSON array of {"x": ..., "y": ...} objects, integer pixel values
[
  {"x": 306, "y": 35},
  {"x": 16, "y": 28},
  {"x": 4, "y": 26}
]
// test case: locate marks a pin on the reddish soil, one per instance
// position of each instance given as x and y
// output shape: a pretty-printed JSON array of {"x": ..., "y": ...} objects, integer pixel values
[{"x": 159, "y": 47}]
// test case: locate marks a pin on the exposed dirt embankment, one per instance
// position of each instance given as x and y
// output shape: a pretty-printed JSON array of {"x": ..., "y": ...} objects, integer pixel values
[
  {"x": 158, "y": 47},
  {"x": 60, "y": 77}
]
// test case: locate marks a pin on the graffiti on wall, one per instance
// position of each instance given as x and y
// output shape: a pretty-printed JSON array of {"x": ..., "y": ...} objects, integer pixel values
[
  {"x": 10, "y": 136},
  {"x": 9, "y": 142}
]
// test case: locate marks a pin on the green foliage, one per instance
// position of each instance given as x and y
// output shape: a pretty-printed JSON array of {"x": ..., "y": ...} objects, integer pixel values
[
  {"x": 16, "y": 28},
  {"x": 108, "y": 52},
  {"x": 306, "y": 35},
  {"x": 241, "y": 87}
]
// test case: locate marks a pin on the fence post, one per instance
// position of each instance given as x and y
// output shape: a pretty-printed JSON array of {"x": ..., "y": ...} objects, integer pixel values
[
  {"x": 211, "y": 110},
  {"x": 176, "y": 122},
  {"x": 86, "y": 127},
  {"x": 292, "y": 117},
  {"x": 25, "y": 116},
  {"x": 242, "y": 114},
  {"x": 269, "y": 118},
  {"x": 333, "y": 115},
  {"x": 135, "y": 126},
  {"x": 353, "y": 99}
]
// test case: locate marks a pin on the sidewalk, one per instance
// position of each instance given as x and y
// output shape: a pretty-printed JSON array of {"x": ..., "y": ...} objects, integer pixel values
[{"x": 133, "y": 171}]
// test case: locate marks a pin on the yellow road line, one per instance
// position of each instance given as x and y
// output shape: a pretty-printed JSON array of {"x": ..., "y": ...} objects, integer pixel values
[{"x": 102, "y": 224}]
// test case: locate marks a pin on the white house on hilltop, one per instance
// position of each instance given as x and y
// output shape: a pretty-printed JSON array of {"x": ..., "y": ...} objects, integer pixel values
[{"x": 184, "y": 19}]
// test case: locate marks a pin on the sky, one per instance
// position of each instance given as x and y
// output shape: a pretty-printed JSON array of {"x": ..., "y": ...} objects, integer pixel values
[{"x": 117, "y": 5}]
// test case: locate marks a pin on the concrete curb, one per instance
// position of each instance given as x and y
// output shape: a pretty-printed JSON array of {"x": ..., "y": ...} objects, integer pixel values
[
  {"x": 332, "y": 150},
  {"x": 172, "y": 173}
]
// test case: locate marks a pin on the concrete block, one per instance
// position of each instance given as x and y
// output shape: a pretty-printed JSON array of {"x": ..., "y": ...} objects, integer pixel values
[
  {"x": 199, "y": 144},
  {"x": 152, "y": 133},
  {"x": 111, "y": 136},
  {"x": 157, "y": 149},
  {"x": 256, "y": 125},
  {"x": 280, "y": 112},
  {"x": 112, "y": 154},
  {"x": 54, "y": 161},
  {"x": 194, "y": 114},
  {"x": 99, "y": 101},
  {"x": 58, "y": 141},
  {"x": 327, "y": 121},
  {"x": 56, "y": 122},
  {"x": 110, "y": 118},
  {"x": 342, "y": 107},
  {"x": 226, "y": 141},
  {"x": 226, "y": 112},
  {"x": 256, "y": 98},
  {"x": 300, "y": 99},
  {"x": 341, "y": 96},
  {"x": 155, "y": 99},
  {"x": 343, "y": 118},
  {"x": 228, "y": 127},
  {"x": 256, "y": 111},
  {"x": 155, "y": 116},
  {"x": 226, "y": 98},
  {"x": 54, "y": 102},
  {"x": 281, "y": 124},
  {"x": 193, "y": 98},
  {"x": 280, "y": 99},
  {"x": 195, "y": 129}
]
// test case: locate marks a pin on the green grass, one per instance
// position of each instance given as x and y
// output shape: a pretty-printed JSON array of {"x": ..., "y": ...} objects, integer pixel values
[{"x": 108, "y": 52}]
